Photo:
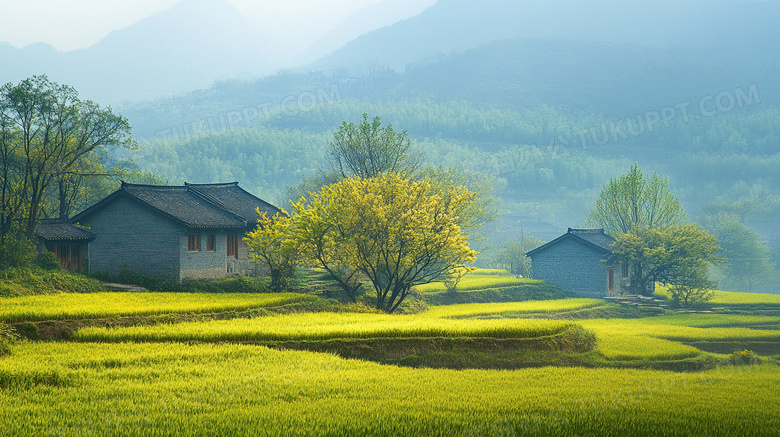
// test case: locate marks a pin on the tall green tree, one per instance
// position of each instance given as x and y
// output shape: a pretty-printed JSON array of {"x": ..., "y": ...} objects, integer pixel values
[
  {"x": 48, "y": 138},
  {"x": 367, "y": 149},
  {"x": 635, "y": 208},
  {"x": 635, "y": 201}
]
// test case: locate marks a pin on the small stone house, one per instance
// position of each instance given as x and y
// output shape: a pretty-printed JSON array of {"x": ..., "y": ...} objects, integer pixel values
[
  {"x": 193, "y": 231},
  {"x": 69, "y": 243},
  {"x": 574, "y": 262}
]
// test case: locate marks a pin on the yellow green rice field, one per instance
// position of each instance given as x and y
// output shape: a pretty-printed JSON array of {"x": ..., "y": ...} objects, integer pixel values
[{"x": 217, "y": 377}]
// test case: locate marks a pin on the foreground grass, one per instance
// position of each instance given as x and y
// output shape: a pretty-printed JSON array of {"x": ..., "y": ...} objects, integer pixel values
[
  {"x": 164, "y": 389},
  {"x": 64, "y": 306},
  {"x": 326, "y": 326}
]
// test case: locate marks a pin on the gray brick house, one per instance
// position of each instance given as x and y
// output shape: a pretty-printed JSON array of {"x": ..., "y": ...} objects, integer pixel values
[
  {"x": 193, "y": 231},
  {"x": 573, "y": 262}
]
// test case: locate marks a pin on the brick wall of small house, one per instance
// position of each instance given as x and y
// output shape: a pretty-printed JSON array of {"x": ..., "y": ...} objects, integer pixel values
[
  {"x": 575, "y": 267},
  {"x": 204, "y": 264},
  {"x": 132, "y": 236}
]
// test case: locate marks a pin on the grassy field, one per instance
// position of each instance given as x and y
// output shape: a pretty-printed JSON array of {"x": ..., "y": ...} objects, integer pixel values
[
  {"x": 173, "y": 388},
  {"x": 194, "y": 378},
  {"x": 64, "y": 306}
]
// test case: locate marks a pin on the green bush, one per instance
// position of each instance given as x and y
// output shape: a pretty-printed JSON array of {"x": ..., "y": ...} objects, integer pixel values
[
  {"x": 48, "y": 261},
  {"x": 17, "y": 251},
  {"x": 745, "y": 357}
]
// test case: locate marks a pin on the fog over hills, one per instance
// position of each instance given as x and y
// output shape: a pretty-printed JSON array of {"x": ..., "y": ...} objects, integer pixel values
[
  {"x": 456, "y": 25},
  {"x": 361, "y": 22},
  {"x": 185, "y": 47},
  {"x": 198, "y": 42}
]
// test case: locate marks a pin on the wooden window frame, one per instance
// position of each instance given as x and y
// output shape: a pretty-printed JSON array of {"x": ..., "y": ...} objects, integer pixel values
[
  {"x": 193, "y": 242},
  {"x": 624, "y": 270},
  {"x": 211, "y": 243},
  {"x": 231, "y": 245}
]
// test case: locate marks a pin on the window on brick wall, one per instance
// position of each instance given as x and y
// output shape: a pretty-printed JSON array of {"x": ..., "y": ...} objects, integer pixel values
[
  {"x": 624, "y": 270},
  {"x": 193, "y": 242},
  {"x": 232, "y": 244},
  {"x": 211, "y": 243}
]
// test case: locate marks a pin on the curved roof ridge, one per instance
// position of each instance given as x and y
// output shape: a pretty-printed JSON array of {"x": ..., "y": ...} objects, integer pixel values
[
  {"x": 595, "y": 238},
  {"x": 216, "y": 184}
]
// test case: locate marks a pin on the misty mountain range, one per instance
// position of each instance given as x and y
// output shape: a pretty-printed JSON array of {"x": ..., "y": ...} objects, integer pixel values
[
  {"x": 198, "y": 42},
  {"x": 186, "y": 47}
]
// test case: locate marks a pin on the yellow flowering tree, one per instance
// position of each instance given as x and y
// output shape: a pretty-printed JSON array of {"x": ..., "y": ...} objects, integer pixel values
[
  {"x": 392, "y": 231},
  {"x": 271, "y": 245}
]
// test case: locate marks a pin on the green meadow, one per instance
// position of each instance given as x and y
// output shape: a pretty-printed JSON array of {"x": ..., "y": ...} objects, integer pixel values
[{"x": 562, "y": 367}]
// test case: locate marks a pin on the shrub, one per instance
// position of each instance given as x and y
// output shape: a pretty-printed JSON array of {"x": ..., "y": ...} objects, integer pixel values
[
  {"x": 745, "y": 357},
  {"x": 689, "y": 295},
  {"x": 48, "y": 261},
  {"x": 17, "y": 252}
]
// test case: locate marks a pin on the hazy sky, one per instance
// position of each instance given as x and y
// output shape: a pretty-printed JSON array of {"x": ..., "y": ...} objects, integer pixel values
[{"x": 74, "y": 24}]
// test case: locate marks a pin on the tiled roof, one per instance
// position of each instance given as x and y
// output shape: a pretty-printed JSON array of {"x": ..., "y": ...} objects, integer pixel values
[
  {"x": 61, "y": 230},
  {"x": 234, "y": 199},
  {"x": 596, "y": 237},
  {"x": 221, "y": 206},
  {"x": 592, "y": 237}
]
